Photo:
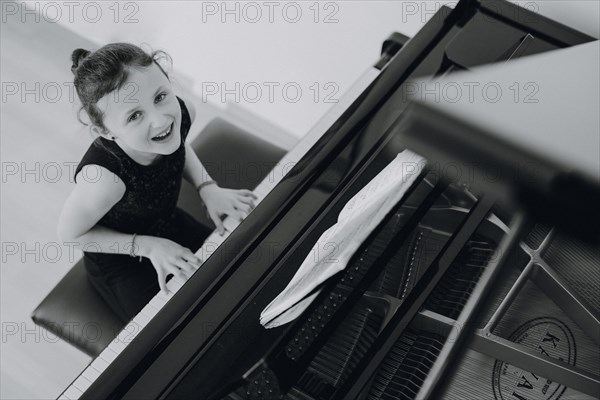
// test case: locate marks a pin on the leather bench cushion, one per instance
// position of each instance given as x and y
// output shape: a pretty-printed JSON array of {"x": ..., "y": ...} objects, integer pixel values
[{"x": 75, "y": 312}]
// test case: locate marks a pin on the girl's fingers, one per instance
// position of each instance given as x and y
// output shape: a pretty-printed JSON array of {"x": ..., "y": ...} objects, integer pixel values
[
  {"x": 247, "y": 192},
  {"x": 162, "y": 280},
  {"x": 177, "y": 272},
  {"x": 246, "y": 200},
  {"x": 185, "y": 266},
  {"x": 181, "y": 276},
  {"x": 240, "y": 215},
  {"x": 218, "y": 223},
  {"x": 192, "y": 259},
  {"x": 243, "y": 207}
]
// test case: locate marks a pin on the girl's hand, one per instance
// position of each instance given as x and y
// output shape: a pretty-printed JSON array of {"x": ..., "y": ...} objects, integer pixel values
[
  {"x": 167, "y": 258},
  {"x": 220, "y": 201}
]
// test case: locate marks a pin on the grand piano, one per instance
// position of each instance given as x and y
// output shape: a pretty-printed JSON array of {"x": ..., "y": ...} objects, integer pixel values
[{"x": 468, "y": 289}]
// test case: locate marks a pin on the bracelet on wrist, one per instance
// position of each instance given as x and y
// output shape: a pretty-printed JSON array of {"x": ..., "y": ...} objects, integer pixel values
[
  {"x": 132, "y": 251},
  {"x": 204, "y": 184}
]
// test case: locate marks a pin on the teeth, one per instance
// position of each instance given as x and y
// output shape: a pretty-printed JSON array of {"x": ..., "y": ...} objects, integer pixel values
[{"x": 162, "y": 135}]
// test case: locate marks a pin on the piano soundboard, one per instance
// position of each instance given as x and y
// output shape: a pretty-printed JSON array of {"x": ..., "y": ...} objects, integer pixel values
[{"x": 452, "y": 296}]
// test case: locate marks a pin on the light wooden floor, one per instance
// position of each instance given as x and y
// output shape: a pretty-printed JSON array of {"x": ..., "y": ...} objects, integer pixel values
[{"x": 40, "y": 136}]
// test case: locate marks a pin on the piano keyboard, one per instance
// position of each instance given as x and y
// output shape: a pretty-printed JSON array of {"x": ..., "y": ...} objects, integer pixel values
[{"x": 137, "y": 324}]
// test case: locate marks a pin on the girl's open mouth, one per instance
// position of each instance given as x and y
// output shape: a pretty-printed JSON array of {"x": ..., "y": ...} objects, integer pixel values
[{"x": 165, "y": 135}]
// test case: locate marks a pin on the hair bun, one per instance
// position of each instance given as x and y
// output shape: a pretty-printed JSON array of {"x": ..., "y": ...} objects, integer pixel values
[{"x": 76, "y": 57}]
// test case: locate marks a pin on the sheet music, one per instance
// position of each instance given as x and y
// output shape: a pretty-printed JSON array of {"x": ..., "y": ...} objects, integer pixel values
[{"x": 332, "y": 252}]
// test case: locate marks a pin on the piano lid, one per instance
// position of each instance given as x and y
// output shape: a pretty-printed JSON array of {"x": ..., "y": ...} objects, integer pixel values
[{"x": 531, "y": 122}]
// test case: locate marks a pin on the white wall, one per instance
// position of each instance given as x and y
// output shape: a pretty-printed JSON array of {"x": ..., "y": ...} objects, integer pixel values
[{"x": 210, "y": 46}]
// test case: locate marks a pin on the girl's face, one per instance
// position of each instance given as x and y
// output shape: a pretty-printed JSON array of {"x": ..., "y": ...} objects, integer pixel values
[{"x": 144, "y": 116}]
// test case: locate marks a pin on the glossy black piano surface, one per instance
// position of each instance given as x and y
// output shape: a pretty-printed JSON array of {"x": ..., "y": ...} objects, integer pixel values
[{"x": 377, "y": 329}]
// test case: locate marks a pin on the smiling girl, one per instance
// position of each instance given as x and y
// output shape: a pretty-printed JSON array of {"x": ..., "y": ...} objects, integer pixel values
[{"x": 123, "y": 210}]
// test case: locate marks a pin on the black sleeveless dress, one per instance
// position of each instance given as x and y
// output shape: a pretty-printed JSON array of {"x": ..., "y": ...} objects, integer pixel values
[{"x": 148, "y": 207}]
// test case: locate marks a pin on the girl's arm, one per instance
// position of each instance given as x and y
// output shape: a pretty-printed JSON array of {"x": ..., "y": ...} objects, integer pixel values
[
  {"x": 86, "y": 205},
  {"x": 219, "y": 201},
  {"x": 90, "y": 201},
  {"x": 193, "y": 170}
]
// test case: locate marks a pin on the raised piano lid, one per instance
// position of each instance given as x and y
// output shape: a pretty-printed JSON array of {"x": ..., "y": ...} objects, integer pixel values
[{"x": 532, "y": 122}]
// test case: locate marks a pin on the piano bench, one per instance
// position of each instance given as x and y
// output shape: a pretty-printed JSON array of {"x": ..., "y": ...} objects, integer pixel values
[{"x": 76, "y": 313}]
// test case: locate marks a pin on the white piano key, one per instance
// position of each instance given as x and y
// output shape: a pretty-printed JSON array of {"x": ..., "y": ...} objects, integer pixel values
[
  {"x": 94, "y": 370},
  {"x": 230, "y": 224},
  {"x": 160, "y": 299},
  {"x": 108, "y": 355},
  {"x": 100, "y": 364},
  {"x": 150, "y": 310},
  {"x": 73, "y": 393},
  {"x": 152, "y": 306},
  {"x": 175, "y": 281},
  {"x": 209, "y": 246},
  {"x": 91, "y": 374},
  {"x": 63, "y": 397},
  {"x": 125, "y": 335},
  {"x": 158, "y": 302},
  {"x": 82, "y": 383},
  {"x": 118, "y": 346},
  {"x": 142, "y": 319},
  {"x": 174, "y": 285},
  {"x": 128, "y": 333}
]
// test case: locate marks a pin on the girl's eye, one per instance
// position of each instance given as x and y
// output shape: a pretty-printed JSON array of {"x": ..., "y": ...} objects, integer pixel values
[
  {"x": 132, "y": 115},
  {"x": 161, "y": 96},
  {"x": 158, "y": 99}
]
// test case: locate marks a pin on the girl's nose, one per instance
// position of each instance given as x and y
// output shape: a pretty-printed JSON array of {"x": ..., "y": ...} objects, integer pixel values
[{"x": 159, "y": 123}]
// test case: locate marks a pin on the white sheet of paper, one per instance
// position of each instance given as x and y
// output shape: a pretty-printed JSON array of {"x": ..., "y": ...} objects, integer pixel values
[{"x": 335, "y": 247}]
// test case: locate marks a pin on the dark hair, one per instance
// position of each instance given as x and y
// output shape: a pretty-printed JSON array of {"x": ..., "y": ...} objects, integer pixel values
[{"x": 105, "y": 70}]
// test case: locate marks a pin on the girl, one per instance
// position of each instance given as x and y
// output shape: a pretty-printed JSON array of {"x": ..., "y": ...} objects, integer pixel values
[{"x": 122, "y": 212}]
